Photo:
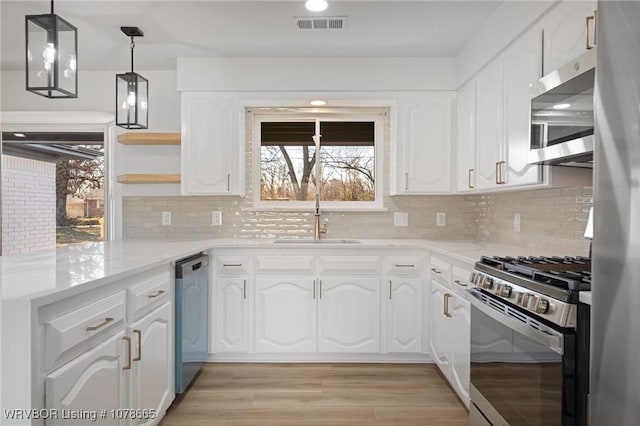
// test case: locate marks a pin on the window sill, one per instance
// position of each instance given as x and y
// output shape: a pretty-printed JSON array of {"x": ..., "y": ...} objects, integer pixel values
[{"x": 323, "y": 210}]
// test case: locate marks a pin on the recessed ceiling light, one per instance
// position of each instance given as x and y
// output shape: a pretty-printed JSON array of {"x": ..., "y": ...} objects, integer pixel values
[
  {"x": 317, "y": 102},
  {"x": 19, "y": 135},
  {"x": 316, "y": 5},
  {"x": 561, "y": 106}
]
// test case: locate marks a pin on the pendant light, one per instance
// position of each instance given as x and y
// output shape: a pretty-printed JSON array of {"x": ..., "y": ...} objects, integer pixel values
[
  {"x": 51, "y": 56},
  {"x": 132, "y": 92}
]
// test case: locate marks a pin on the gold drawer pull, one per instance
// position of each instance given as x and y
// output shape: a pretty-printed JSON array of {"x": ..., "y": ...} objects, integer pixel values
[
  {"x": 128, "y": 340},
  {"x": 446, "y": 305},
  {"x": 139, "y": 334},
  {"x": 229, "y": 265},
  {"x": 106, "y": 321},
  {"x": 460, "y": 283},
  {"x": 406, "y": 265},
  {"x": 156, "y": 294},
  {"x": 437, "y": 271}
]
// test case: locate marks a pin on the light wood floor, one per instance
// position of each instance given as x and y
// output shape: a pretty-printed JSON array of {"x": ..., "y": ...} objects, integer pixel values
[{"x": 318, "y": 394}]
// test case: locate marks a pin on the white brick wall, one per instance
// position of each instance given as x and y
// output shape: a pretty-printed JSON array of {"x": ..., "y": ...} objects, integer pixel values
[{"x": 28, "y": 205}]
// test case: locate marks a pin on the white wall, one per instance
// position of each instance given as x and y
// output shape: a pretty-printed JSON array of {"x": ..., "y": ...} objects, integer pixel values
[{"x": 316, "y": 74}]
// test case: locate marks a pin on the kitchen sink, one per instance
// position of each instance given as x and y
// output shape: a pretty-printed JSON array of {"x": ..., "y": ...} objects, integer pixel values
[{"x": 305, "y": 241}]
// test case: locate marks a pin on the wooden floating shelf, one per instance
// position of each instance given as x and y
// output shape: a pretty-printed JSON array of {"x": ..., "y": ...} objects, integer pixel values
[
  {"x": 132, "y": 138},
  {"x": 149, "y": 178}
]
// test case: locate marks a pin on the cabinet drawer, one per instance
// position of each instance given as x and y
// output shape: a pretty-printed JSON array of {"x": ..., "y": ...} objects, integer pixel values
[
  {"x": 350, "y": 265},
  {"x": 150, "y": 292},
  {"x": 441, "y": 270},
  {"x": 460, "y": 278},
  {"x": 67, "y": 332},
  {"x": 404, "y": 265},
  {"x": 232, "y": 265},
  {"x": 283, "y": 264}
]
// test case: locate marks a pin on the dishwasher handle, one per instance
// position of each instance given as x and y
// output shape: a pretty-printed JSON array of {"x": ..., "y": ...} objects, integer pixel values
[{"x": 191, "y": 265}]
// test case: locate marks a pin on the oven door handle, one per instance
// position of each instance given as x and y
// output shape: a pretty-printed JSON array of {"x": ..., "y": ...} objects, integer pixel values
[{"x": 555, "y": 343}]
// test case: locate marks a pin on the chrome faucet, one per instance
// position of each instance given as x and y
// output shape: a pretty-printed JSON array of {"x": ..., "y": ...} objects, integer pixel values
[{"x": 317, "y": 228}]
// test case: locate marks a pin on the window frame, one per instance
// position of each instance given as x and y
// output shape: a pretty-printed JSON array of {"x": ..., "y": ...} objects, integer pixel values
[{"x": 376, "y": 205}]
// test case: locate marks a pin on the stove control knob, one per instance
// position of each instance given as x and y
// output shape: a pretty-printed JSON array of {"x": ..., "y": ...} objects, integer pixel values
[
  {"x": 487, "y": 283},
  {"x": 505, "y": 291},
  {"x": 522, "y": 299},
  {"x": 541, "y": 306},
  {"x": 473, "y": 278}
]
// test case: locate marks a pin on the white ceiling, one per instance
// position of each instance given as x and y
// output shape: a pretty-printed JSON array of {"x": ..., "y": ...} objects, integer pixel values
[{"x": 210, "y": 28}]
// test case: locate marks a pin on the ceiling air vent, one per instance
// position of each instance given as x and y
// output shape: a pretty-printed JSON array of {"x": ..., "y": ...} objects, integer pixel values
[{"x": 321, "y": 23}]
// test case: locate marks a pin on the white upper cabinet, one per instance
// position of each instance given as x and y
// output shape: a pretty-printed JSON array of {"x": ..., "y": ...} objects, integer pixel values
[
  {"x": 489, "y": 124},
  {"x": 423, "y": 152},
  {"x": 466, "y": 138},
  {"x": 210, "y": 161},
  {"x": 566, "y": 28},
  {"x": 521, "y": 68}
]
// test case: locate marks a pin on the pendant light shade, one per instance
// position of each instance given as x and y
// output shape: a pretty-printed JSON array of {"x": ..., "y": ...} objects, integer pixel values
[
  {"x": 51, "y": 56},
  {"x": 132, "y": 92}
]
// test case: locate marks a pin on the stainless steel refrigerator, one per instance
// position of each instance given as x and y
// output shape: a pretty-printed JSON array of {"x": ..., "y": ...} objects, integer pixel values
[{"x": 615, "y": 314}]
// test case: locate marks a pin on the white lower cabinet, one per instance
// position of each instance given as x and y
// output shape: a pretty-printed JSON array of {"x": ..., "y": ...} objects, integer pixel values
[
  {"x": 349, "y": 315},
  {"x": 152, "y": 381},
  {"x": 98, "y": 364},
  {"x": 285, "y": 314},
  {"x": 92, "y": 382},
  {"x": 232, "y": 314},
  {"x": 450, "y": 324},
  {"x": 404, "y": 314}
]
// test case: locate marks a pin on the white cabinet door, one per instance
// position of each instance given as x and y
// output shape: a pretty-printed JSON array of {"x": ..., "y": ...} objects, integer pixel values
[
  {"x": 522, "y": 67},
  {"x": 460, "y": 322},
  {"x": 466, "y": 138},
  {"x": 565, "y": 32},
  {"x": 92, "y": 382},
  {"x": 439, "y": 328},
  {"x": 404, "y": 314},
  {"x": 232, "y": 314},
  {"x": 210, "y": 147},
  {"x": 285, "y": 314},
  {"x": 490, "y": 128},
  {"x": 349, "y": 315},
  {"x": 152, "y": 379},
  {"x": 425, "y": 145}
]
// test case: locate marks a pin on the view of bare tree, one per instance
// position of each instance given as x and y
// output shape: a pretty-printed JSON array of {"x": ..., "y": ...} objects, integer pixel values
[{"x": 76, "y": 177}]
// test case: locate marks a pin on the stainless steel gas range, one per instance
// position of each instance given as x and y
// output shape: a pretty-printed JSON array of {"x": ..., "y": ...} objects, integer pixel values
[{"x": 529, "y": 341}]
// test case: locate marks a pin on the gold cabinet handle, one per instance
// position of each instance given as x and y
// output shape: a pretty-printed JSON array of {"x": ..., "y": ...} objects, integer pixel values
[
  {"x": 106, "y": 321},
  {"x": 460, "y": 283},
  {"x": 314, "y": 289},
  {"x": 447, "y": 296},
  {"x": 437, "y": 271},
  {"x": 139, "y": 334},
  {"x": 244, "y": 289},
  {"x": 228, "y": 265},
  {"x": 406, "y": 181},
  {"x": 587, "y": 32},
  {"x": 128, "y": 340},
  {"x": 390, "y": 289},
  {"x": 503, "y": 170},
  {"x": 595, "y": 27},
  {"x": 320, "y": 289},
  {"x": 469, "y": 179},
  {"x": 228, "y": 182},
  {"x": 405, "y": 265},
  {"x": 156, "y": 294}
]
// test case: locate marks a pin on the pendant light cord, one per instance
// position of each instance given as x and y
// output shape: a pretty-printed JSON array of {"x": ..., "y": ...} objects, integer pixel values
[
  {"x": 52, "y": 7},
  {"x": 133, "y": 45}
]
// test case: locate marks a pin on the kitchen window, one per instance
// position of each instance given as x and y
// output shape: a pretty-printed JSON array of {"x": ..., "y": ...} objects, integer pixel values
[{"x": 338, "y": 157}]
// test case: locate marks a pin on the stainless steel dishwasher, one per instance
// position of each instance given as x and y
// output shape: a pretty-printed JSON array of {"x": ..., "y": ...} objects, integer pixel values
[{"x": 192, "y": 318}]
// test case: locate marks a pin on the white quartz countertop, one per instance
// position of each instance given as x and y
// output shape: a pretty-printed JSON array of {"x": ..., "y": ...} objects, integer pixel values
[{"x": 70, "y": 270}]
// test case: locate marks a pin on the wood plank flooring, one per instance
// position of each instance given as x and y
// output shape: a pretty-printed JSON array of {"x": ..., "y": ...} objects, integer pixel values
[{"x": 318, "y": 394}]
